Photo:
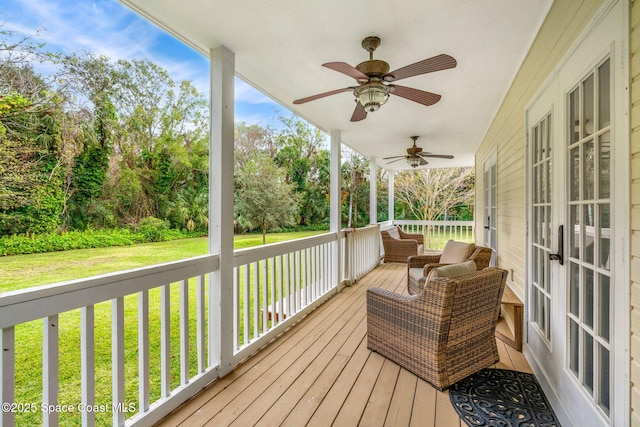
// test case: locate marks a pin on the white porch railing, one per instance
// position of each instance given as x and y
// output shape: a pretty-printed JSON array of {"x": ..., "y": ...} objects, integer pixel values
[
  {"x": 160, "y": 313},
  {"x": 363, "y": 251},
  {"x": 274, "y": 283},
  {"x": 168, "y": 308},
  {"x": 437, "y": 233},
  {"x": 145, "y": 296}
]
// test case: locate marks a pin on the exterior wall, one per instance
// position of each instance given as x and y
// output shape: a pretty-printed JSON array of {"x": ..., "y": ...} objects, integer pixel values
[
  {"x": 565, "y": 21},
  {"x": 634, "y": 73}
]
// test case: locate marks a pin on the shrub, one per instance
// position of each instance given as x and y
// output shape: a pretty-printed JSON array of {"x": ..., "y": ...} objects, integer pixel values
[
  {"x": 154, "y": 229},
  {"x": 39, "y": 243}
]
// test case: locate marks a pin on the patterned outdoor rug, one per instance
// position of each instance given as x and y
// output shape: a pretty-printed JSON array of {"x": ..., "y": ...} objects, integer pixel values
[{"x": 498, "y": 397}]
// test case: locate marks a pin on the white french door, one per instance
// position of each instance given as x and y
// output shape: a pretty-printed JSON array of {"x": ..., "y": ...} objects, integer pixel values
[{"x": 575, "y": 275}]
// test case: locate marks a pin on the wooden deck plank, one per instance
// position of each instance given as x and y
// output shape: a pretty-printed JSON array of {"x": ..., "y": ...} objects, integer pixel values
[
  {"x": 377, "y": 407},
  {"x": 424, "y": 405},
  {"x": 399, "y": 413},
  {"x": 338, "y": 393},
  {"x": 305, "y": 394},
  {"x": 446, "y": 416},
  {"x": 518, "y": 360},
  {"x": 320, "y": 373},
  {"x": 353, "y": 408},
  {"x": 258, "y": 397}
]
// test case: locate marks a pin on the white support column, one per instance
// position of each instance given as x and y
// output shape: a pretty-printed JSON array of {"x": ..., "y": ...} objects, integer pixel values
[
  {"x": 221, "y": 206},
  {"x": 373, "y": 191},
  {"x": 334, "y": 202},
  {"x": 392, "y": 195}
]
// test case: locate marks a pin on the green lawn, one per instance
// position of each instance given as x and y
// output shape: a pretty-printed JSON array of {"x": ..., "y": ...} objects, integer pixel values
[
  {"x": 18, "y": 272},
  {"x": 23, "y": 271}
]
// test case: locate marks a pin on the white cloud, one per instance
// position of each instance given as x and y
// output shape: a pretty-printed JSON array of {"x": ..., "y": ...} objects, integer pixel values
[
  {"x": 247, "y": 93},
  {"x": 106, "y": 27}
]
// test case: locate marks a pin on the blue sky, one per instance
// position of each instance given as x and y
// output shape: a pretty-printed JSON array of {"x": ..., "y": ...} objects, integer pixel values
[{"x": 106, "y": 27}]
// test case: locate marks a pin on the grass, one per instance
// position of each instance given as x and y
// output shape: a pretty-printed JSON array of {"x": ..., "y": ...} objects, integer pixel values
[{"x": 23, "y": 271}]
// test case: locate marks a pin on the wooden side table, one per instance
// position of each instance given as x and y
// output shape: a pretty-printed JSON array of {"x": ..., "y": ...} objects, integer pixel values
[{"x": 509, "y": 328}]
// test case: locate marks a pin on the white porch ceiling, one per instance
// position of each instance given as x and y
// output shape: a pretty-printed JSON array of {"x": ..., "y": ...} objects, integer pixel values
[{"x": 281, "y": 44}]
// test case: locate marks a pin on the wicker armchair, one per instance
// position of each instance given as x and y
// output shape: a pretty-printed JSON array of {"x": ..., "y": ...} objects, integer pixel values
[
  {"x": 419, "y": 266},
  {"x": 398, "y": 245},
  {"x": 443, "y": 334}
]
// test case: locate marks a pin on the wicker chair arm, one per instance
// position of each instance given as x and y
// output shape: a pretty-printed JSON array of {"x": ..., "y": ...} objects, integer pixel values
[
  {"x": 385, "y": 297},
  {"x": 482, "y": 257},
  {"x": 414, "y": 236},
  {"x": 418, "y": 261},
  {"x": 404, "y": 244},
  {"x": 427, "y": 268}
]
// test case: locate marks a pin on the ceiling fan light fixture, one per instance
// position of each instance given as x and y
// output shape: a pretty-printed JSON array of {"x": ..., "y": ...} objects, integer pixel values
[
  {"x": 413, "y": 161},
  {"x": 372, "y": 95}
]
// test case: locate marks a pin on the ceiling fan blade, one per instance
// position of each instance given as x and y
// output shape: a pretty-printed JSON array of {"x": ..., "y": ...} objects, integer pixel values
[
  {"x": 393, "y": 161},
  {"x": 393, "y": 157},
  {"x": 416, "y": 95},
  {"x": 359, "y": 113},
  {"x": 423, "y": 162},
  {"x": 322, "y": 95},
  {"x": 436, "y": 63},
  {"x": 344, "y": 68},
  {"x": 437, "y": 156}
]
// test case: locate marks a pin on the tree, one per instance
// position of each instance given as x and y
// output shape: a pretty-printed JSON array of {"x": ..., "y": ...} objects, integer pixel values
[
  {"x": 431, "y": 194},
  {"x": 355, "y": 187},
  {"x": 250, "y": 140},
  {"x": 93, "y": 81},
  {"x": 302, "y": 153},
  {"x": 264, "y": 198}
]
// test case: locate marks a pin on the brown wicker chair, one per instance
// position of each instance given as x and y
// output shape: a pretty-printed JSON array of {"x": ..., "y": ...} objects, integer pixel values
[
  {"x": 443, "y": 334},
  {"x": 419, "y": 266},
  {"x": 398, "y": 245}
]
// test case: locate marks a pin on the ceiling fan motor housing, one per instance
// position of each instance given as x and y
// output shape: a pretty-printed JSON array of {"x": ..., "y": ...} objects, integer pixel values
[{"x": 374, "y": 68}]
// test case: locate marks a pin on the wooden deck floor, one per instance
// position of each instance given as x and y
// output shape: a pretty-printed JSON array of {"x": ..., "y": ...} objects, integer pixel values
[{"x": 320, "y": 373}]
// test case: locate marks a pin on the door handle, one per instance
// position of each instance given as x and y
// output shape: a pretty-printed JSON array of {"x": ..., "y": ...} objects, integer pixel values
[
  {"x": 559, "y": 256},
  {"x": 488, "y": 223}
]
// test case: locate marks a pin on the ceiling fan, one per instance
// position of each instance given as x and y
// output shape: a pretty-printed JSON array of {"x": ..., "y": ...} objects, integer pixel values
[
  {"x": 416, "y": 157},
  {"x": 374, "y": 80}
]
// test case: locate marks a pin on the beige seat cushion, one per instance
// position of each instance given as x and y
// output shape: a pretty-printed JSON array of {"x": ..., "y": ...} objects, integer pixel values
[
  {"x": 452, "y": 270},
  {"x": 415, "y": 273},
  {"x": 455, "y": 252}
]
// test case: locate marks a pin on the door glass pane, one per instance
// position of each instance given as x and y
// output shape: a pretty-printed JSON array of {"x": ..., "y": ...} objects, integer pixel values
[
  {"x": 589, "y": 232},
  {"x": 604, "y": 378},
  {"x": 574, "y": 289},
  {"x": 605, "y": 234},
  {"x": 604, "y": 100},
  {"x": 548, "y": 221},
  {"x": 588, "y": 171},
  {"x": 548, "y": 181},
  {"x": 574, "y": 347},
  {"x": 588, "y": 112},
  {"x": 574, "y": 231},
  {"x": 574, "y": 179},
  {"x": 574, "y": 116},
  {"x": 604, "y": 301},
  {"x": 543, "y": 319},
  {"x": 588, "y": 362},
  {"x": 604, "y": 174},
  {"x": 588, "y": 297}
]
